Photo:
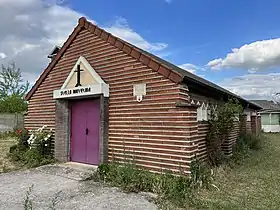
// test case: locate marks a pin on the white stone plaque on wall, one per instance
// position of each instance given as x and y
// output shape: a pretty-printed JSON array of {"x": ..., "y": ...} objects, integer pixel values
[{"x": 139, "y": 89}]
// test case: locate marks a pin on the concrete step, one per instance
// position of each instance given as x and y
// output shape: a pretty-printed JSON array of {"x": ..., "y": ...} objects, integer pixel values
[{"x": 74, "y": 171}]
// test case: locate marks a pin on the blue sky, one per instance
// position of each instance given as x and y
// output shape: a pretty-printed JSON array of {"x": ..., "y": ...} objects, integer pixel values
[
  {"x": 196, "y": 31},
  {"x": 235, "y": 44}
]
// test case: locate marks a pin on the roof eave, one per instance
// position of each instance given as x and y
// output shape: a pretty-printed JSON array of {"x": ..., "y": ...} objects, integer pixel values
[{"x": 225, "y": 92}]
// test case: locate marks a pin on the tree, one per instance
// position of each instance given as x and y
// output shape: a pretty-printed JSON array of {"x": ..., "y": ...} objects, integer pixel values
[
  {"x": 13, "y": 104},
  {"x": 12, "y": 90},
  {"x": 276, "y": 98},
  {"x": 11, "y": 82}
]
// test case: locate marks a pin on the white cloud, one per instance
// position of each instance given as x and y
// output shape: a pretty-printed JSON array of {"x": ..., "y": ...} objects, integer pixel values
[
  {"x": 121, "y": 29},
  {"x": 254, "y": 86},
  {"x": 214, "y": 63},
  {"x": 2, "y": 55},
  {"x": 254, "y": 57},
  {"x": 191, "y": 68},
  {"x": 29, "y": 29}
]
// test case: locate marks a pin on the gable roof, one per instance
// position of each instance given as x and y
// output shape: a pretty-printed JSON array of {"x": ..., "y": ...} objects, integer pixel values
[
  {"x": 165, "y": 68},
  {"x": 267, "y": 105}
]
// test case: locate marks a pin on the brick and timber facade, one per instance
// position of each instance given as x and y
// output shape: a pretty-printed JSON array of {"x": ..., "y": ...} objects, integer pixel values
[{"x": 160, "y": 131}]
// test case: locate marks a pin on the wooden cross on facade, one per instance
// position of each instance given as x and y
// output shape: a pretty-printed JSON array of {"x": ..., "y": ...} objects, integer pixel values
[{"x": 79, "y": 70}]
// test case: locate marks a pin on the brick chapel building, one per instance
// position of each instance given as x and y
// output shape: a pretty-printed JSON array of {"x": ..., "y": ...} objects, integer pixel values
[{"x": 107, "y": 99}]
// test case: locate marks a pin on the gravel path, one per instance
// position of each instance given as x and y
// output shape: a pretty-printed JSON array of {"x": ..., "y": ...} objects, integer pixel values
[{"x": 73, "y": 194}]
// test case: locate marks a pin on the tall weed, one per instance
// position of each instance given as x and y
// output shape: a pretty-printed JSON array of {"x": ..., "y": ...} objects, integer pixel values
[{"x": 176, "y": 188}]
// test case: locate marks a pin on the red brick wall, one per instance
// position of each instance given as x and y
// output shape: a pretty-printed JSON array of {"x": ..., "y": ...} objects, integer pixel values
[
  {"x": 201, "y": 140},
  {"x": 227, "y": 146},
  {"x": 230, "y": 141},
  {"x": 250, "y": 127},
  {"x": 254, "y": 125}
]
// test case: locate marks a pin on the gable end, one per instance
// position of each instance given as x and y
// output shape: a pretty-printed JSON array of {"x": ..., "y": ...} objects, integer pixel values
[{"x": 118, "y": 43}]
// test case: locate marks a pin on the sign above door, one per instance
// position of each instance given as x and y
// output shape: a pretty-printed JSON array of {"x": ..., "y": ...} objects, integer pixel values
[{"x": 82, "y": 81}]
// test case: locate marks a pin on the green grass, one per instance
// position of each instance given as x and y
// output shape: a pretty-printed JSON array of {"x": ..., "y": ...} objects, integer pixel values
[
  {"x": 253, "y": 184},
  {"x": 5, "y": 143}
]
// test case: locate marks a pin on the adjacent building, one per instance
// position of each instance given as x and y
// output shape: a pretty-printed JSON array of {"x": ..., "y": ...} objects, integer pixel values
[{"x": 270, "y": 115}]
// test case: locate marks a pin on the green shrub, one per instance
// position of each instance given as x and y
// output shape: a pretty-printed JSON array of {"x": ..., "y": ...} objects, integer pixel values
[
  {"x": 241, "y": 145},
  {"x": 254, "y": 142},
  {"x": 22, "y": 136},
  {"x": 127, "y": 177},
  {"x": 201, "y": 175},
  {"x": 177, "y": 188},
  {"x": 248, "y": 141},
  {"x": 244, "y": 146},
  {"x": 13, "y": 148},
  {"x": 220, "y": 123},
  {"x": 8, "y": 134},
  {"x": 41, "y": 140},
  {"x": 28, "y": 157},
  {"x": 17, "y": 152},
  {"x": 32, "y": 150},
  {"x": 32, "y": 157}
]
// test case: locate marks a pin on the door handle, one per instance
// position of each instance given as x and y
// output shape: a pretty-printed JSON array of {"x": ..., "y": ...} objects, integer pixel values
[{"x": 86, "y": 131}]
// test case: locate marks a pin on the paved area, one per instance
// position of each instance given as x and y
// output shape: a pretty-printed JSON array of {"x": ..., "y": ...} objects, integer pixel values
[{"x": 64, "y": 181}]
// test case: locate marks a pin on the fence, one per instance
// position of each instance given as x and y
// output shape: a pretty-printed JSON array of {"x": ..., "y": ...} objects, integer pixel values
[{"x": 10, "y": 121}]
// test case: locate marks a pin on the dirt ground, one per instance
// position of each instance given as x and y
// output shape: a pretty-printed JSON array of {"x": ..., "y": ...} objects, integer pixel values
[{"x": 61, "y": 184}]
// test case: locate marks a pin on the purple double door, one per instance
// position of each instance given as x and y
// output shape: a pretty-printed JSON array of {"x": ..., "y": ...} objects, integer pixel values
[{"x": 84, "y": 137}]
